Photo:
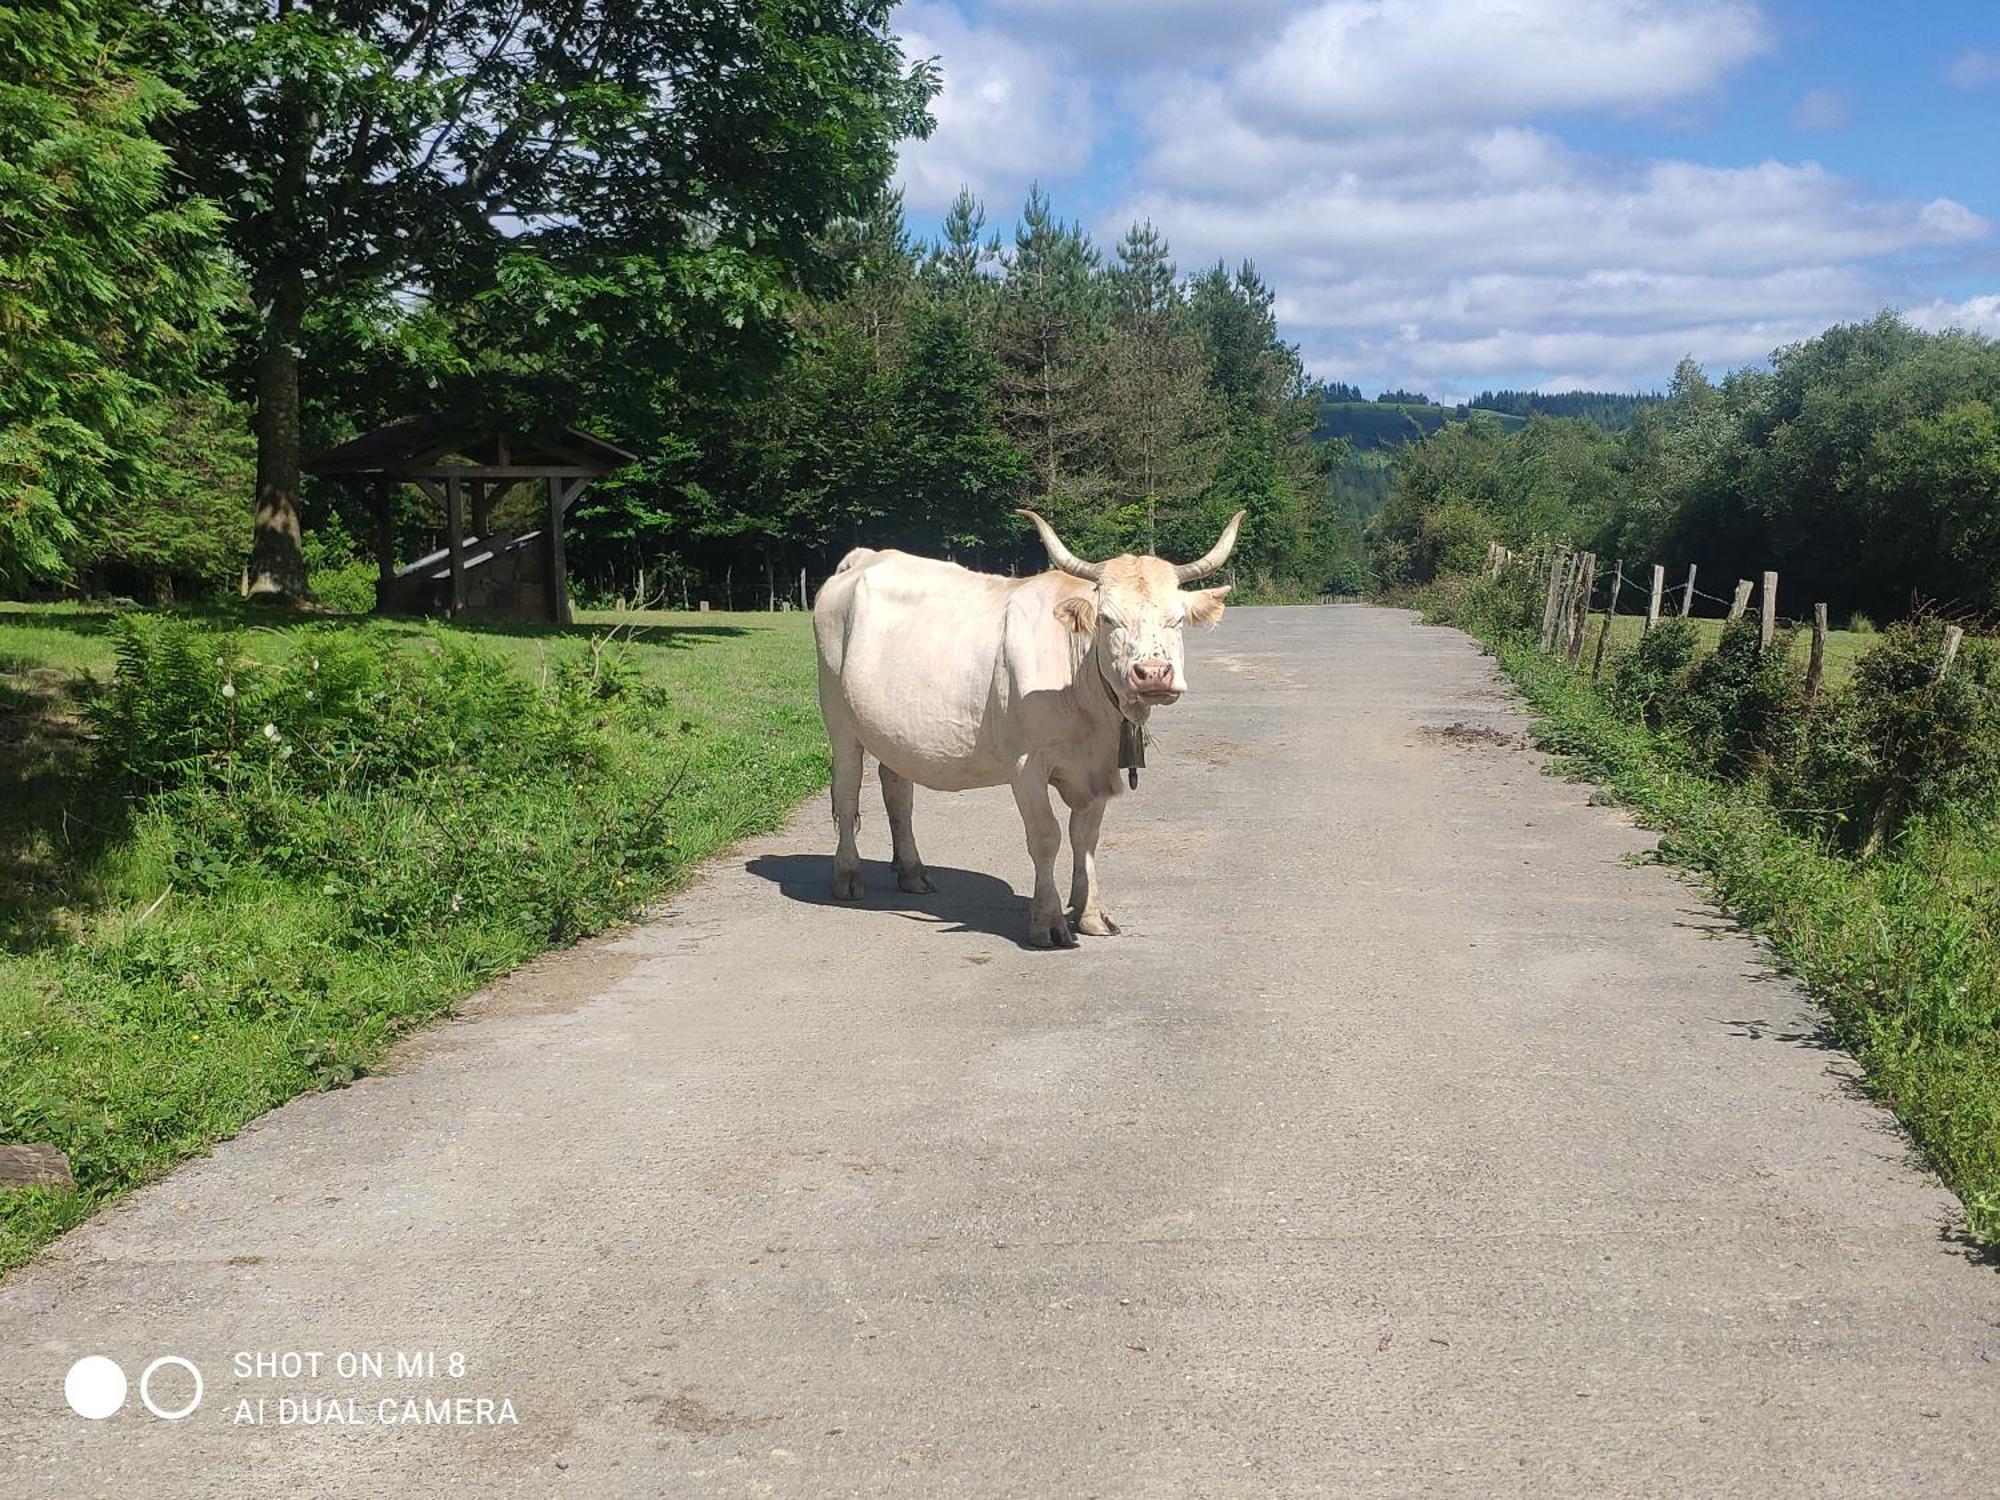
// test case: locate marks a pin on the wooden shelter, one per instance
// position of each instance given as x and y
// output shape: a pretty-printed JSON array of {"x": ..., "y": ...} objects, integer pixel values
[{"x": 467, "y": 469}]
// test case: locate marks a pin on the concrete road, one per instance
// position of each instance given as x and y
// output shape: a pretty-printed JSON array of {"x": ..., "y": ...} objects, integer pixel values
[{"x": 1412, "y": 1139}]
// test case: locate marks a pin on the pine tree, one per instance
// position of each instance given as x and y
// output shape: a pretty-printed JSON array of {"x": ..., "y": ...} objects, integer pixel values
[
  {"x": 959, "y": 476},
  {"x": 1162, "y": 424},
  {"x": 1046, "y": 337}
]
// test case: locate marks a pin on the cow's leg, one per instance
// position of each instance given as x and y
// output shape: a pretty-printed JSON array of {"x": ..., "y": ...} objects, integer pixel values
[
  {"x": 1086, "y": 902},
  {"x": 898, "y": 792},
  {"x": 1047, "y": 927},
  {"x": 846, "y": 816}
]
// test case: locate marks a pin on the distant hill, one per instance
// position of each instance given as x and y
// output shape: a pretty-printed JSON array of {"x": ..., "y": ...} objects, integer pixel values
[
  {"x": 1387, "y": 423},
  {"x": 1611, "y": 410},
  {"x": 1372, "y": 426}
]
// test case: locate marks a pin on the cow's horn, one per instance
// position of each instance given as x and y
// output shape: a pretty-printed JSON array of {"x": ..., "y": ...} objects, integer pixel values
[
  {"x": 1060, "y": 555},
  {"x": 1215, "y": 557}
]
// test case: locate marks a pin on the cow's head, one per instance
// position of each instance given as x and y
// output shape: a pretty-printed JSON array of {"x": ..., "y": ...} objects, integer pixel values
[{"x": 1136, "y": 612}]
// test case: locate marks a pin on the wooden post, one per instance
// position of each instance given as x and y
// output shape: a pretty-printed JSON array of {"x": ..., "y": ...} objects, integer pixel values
[
  {"x": 1816, "y": 665},
  {"x": 1953, "y": 636},
  {"x": 1568, "y": 587},
  {"x": 1580, "y": 607},
  {"x": 482, "y": 510},
  {"x": 1492, "y": 566},
  {"x": 1741, "y": 602},
  {"x": 385, "y": 535},
  {"x": 1653, "y": 605},
  {"x": 560, "y": 495},
  {"x": 454, "y": 538},
  {"x": 1768, "y": 626},
  {"x": 1556, "y": 565},
  {"x": 1687, "y": 593},
  {"x": 802, "y": 588},
  {"x": 1610, "y": 614}
]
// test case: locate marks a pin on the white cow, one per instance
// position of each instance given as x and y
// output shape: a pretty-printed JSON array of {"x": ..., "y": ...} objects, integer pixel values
[{"x": 954, "y": 679}]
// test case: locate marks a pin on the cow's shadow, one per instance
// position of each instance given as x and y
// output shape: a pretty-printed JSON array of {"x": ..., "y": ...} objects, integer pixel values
[{"x": 964, "y": 901}]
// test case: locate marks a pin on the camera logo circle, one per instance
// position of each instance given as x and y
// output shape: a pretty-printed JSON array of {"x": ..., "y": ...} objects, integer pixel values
[
  {"x": 94, "y": 1387},
  {"x": 146, "y": 1380}
]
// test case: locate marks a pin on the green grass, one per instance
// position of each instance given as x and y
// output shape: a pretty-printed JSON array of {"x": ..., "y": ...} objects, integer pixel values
[
  {"x": 175, "y": 964},
  {"x": 1843, "y": 647},
  {"x": 1903, "y": 952}
]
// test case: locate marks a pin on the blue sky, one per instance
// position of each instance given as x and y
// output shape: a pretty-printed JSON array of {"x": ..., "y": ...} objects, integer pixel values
[{"x": 1459, "y": 194}]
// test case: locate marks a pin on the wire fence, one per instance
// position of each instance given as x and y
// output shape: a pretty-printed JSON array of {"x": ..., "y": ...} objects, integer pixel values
[{"x": 1573, "y": 583}]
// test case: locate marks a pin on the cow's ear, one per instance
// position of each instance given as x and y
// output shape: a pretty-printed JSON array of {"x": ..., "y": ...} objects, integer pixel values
[
  {"x": 1204, "y": 606},
  {"x": 1078, "y": 614}
]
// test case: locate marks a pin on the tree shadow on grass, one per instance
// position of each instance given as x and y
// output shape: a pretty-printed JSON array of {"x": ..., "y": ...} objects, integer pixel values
[
  {"x": 56, "y": 823},
  {"x": 964, "y": 901},
  {"x": 639, "y": 634}
]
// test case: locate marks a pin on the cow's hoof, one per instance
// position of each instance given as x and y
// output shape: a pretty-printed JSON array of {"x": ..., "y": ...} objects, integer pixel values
[
  {"x": 916, "y": 883},
  {"x": 1096, "y": 924},
  {"x": 847, "y": 885},
  {"x": 1055, "y": 935}
]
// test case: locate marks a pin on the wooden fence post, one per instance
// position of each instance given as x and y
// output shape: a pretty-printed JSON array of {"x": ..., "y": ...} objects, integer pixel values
[
  {"x": 1816, "y": 665},
  {"x": 1556, "y": 565},
  {"x": 1741, "y": 602},
  {"x": 1580, "y": 606},
  {"x": 1653, "y": 606},
  {"x": 1953, "y": 635},
  {"x": 1687, "y": 593},
  {"x": 1768, "y": 626},
  {"x": 1610, "y": 614}
]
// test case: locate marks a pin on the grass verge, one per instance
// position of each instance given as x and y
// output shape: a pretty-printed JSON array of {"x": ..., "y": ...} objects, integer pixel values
[
  {"x": 213, "y": 903},
  {"x": 1903, "y": 953}
]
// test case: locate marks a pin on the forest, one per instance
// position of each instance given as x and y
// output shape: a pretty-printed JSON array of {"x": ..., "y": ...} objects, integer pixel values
[
  {"x": 237, "y": 233},
  {"x": 1863, "y": 465}
]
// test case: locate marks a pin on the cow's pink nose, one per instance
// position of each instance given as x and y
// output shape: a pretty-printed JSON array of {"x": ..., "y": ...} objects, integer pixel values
[{"x": 1153, "y": 676}]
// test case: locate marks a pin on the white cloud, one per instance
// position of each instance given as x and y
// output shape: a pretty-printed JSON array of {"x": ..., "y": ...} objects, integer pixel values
[
  {"x": 1574, "y": 215},
  {"x": 1974, "y": 68},
  {"x": 1509, "y": 255},
  {"x": 1008, "y": 113},
  {"x": 1368, "y": 65},
  {"x": 1397, "y": 170},
  {"x": 1129, "y": 35},
  {"x": 1979, "y": 314},
  {"x": 1821, "y": 109}
]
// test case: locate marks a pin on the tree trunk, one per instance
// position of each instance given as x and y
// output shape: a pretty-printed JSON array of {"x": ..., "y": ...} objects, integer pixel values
[{"x": 277, "y": 564}]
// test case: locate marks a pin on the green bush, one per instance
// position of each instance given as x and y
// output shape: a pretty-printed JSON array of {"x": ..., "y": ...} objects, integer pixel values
[
  {"x": 348, "y": 588},
  {"x": 1507, "y": 608},
  {"x": 1740, "y": 708},
  {"x": 1648, "y": 676},
  {"x": 188, "y": 711},
  {"x": 1900, "y": 744}
]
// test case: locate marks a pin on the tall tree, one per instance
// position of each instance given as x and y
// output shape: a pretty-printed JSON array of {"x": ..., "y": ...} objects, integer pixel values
[
  {"x": 960, "y": 476},
  {"x": 1046, "y": 335},
  {"x": 591, "y": 179},
  {"x": 962, "y": 264},
  {"x": 1163, "y": 426},
  {"x": 108, "y": 294}
]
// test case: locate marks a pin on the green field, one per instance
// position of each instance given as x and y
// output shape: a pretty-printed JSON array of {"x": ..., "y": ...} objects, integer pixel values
[
  {"x": 175, "y": 961},
  {"x": 1843, "y": 647}
]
